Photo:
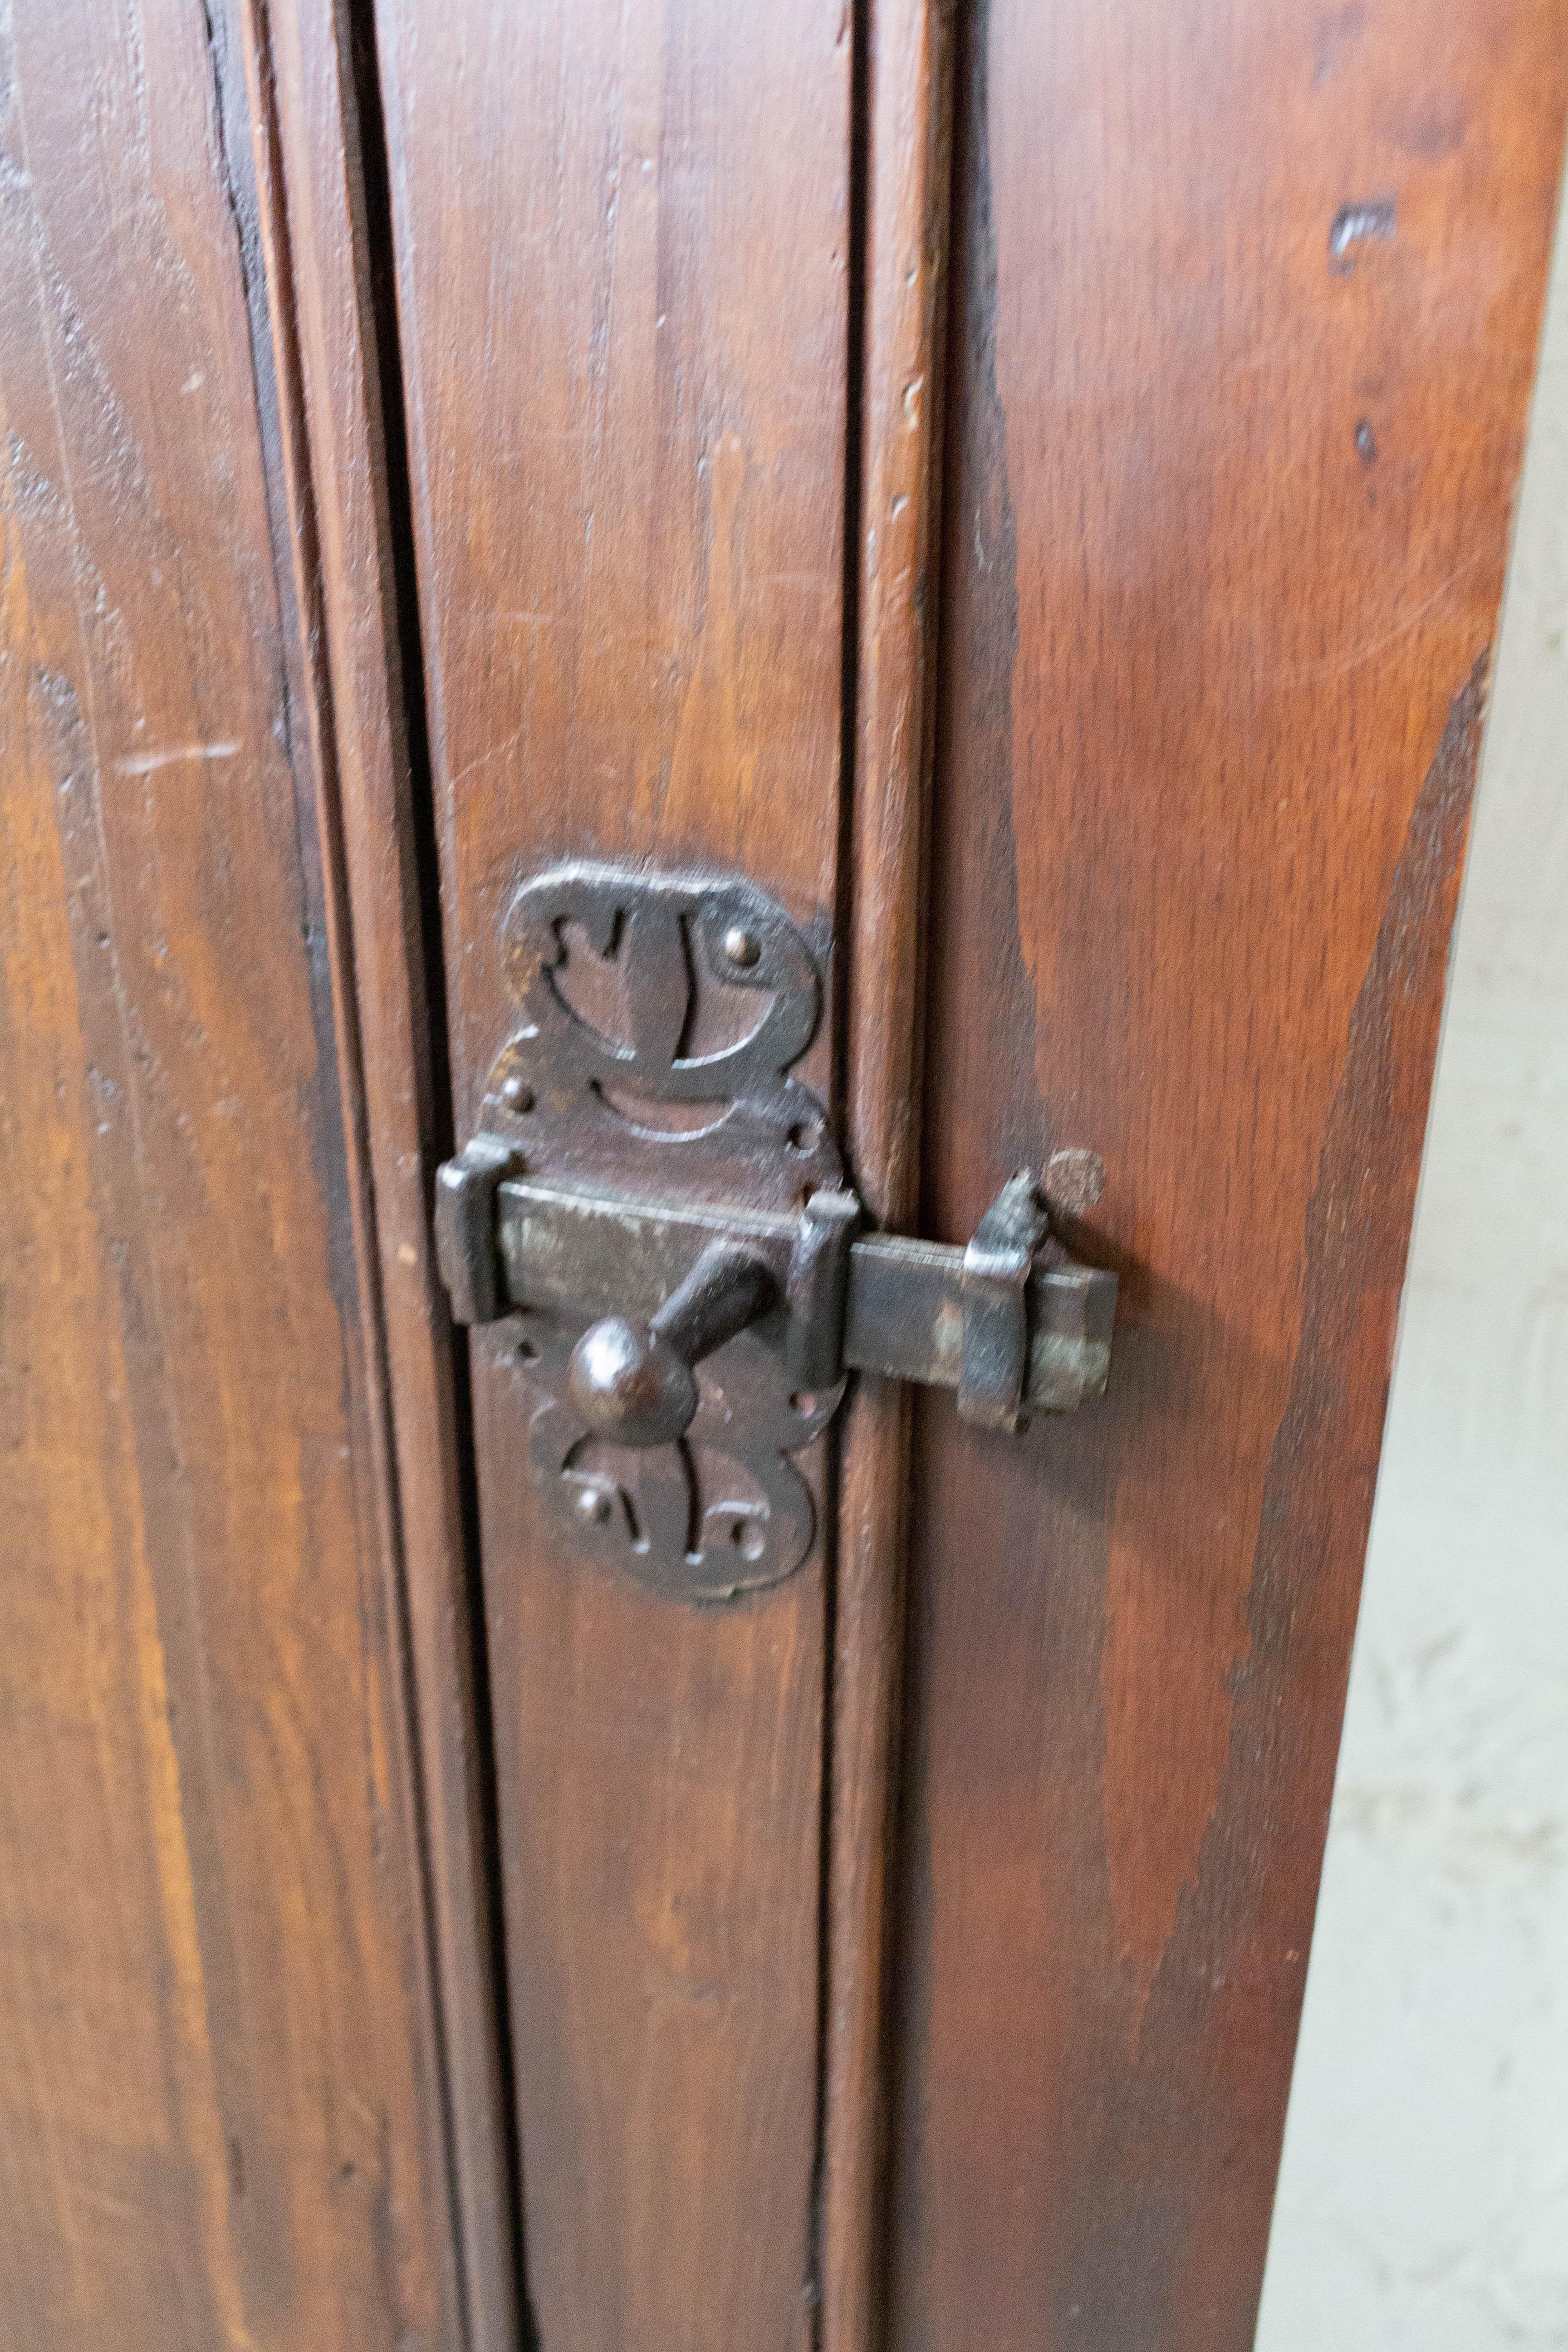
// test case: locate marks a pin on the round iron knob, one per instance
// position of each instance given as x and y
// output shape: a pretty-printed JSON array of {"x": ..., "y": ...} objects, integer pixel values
[
  {"x": 631, "y": 1385},
  {"x": 633, "y": 1382}
]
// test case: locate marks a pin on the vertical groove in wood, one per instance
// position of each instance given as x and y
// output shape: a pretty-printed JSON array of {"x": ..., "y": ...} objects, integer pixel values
[
  {"x": 307, "y": 141},
  {"x": 908, "y": 98}
]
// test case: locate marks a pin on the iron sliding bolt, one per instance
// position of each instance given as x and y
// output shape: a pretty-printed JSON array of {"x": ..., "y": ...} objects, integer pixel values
[{"x": 1012, "y": 1322}]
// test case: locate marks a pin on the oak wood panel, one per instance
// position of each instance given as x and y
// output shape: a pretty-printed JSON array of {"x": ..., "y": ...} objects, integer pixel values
[
  {"x": 1244, "y": 329},
  {"x": 315, "y": 91},
  {"x": 907, "y": 105},
  {"x": 219, "y": 2119},
  {"x": 621, "y": 251}
]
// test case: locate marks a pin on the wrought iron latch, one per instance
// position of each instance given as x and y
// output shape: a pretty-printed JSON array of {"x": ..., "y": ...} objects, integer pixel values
[{"x": 649, "y": 1192}]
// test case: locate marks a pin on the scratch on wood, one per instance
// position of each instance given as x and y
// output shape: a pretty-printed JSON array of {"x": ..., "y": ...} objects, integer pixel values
[
  {"x": 1338, "y": 664},
  {"x": 146, "y": 763}
]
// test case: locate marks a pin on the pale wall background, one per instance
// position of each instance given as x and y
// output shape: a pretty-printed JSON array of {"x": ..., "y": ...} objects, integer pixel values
[{"x": 1424, "y": 2199}]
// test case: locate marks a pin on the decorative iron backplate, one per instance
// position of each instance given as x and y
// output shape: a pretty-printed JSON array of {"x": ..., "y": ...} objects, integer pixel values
[{"x": 660, "y": 1015}]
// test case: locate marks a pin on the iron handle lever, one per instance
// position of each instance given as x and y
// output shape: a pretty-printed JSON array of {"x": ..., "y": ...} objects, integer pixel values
[{"x": 635, "y": 1382}]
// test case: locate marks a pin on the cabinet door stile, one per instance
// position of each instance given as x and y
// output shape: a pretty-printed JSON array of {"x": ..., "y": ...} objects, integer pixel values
[{"x": 623, "y": 255}]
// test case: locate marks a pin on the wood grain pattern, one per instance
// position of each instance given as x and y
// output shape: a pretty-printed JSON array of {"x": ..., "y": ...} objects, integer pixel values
[
  {"x": 219, "y": 2119},
  {"x": 1244, "y": 331},
  {"x": 312, "y": 90},
  {"x": 906, "y": 99},
  {"x": 622, "y": 250}
]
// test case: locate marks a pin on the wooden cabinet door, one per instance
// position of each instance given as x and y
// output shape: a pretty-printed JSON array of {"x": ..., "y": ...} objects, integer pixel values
[
  {"x": 1153, "y": 863},
  {"x": 1026, "y": 490}
]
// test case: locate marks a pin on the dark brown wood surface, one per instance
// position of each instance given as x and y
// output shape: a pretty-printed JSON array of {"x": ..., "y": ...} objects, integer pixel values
[
  {"x": 623, "y": 253},
  {"x": 329, "y": 256},
  {"x": 1245, "y": 308},
  {"x": 219, "y": 2119},
  {"x": 906, "y": 99}
]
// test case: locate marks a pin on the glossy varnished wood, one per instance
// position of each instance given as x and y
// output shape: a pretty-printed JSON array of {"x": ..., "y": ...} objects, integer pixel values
[
  {"x": 1244, "y": 319},
  {"x": 219, "y": 2118},
  {"x": 623, "y": 292}
]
